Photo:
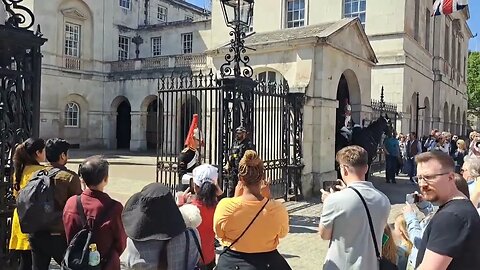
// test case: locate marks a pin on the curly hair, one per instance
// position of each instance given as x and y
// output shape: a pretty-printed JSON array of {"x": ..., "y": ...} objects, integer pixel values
[{"x": 251, "y": 169}]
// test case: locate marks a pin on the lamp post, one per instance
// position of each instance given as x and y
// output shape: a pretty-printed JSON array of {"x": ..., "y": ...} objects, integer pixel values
[
  {"x": 236, "y": 73},
  {"x": 418, "y": 110},
  {"x": 238, "y": 16}
]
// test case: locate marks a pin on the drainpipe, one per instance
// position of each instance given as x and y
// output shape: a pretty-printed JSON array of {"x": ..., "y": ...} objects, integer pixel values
[{"x": 146, "y": 12}]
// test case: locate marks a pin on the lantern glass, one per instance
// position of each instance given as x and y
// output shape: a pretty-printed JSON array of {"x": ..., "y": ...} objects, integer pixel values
[{"x": 237, "y": 12}]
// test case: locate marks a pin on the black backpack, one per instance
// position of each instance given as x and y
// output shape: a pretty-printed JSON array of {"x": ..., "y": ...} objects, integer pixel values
[
  {"x": 36, "y": 206},
  {"x": 77, "y": 254}
]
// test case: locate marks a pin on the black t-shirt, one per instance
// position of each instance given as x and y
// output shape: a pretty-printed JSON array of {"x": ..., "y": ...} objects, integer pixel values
[{"x": 454, "y": 231}]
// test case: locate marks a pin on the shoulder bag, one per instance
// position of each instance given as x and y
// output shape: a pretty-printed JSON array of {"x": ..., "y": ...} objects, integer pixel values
[{"x": 384, "y": 263}]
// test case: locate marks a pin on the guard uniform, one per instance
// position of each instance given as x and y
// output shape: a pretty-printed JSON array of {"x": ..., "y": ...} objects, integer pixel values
[
  {"x": 188, "y": 159},
  {"x": 236, "y": 154}
]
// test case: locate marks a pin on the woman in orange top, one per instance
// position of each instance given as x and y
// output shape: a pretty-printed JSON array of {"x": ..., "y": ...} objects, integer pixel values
[
  {"x": 26, "y": 161},
  {"x": 250, "y": 225}
]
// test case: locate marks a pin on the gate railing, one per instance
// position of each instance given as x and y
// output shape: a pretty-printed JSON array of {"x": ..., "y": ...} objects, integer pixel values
[
  {"x": 276, "y": 124},
  {"x": 20, "y": 74}
]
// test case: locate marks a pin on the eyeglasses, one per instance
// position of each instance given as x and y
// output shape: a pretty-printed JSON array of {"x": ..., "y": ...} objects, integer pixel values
[{"x": 428, "y": 178}]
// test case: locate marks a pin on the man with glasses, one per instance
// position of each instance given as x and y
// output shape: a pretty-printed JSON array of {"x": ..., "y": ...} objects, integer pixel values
[
  {"x": 451, "y": 238},
  {"x": 344, "y": 219}
]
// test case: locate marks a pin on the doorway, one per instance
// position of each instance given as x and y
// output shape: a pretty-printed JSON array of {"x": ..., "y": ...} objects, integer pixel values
[
  {"x": 152, "y": 133},
  {"x": 124, "y": 123}
]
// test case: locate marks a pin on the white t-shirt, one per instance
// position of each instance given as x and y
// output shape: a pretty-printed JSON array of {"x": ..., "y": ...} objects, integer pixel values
[{"x": 351, "y": 245}]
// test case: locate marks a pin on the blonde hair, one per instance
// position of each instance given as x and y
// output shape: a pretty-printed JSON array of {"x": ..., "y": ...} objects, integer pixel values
[
  {"x": 472, "y": 135},
  {"x": 461, "y": 144},
  {"x": 389, "y": 250},
  {"x": 251, "y": 169},
  {"x": 400, "y": 220}
]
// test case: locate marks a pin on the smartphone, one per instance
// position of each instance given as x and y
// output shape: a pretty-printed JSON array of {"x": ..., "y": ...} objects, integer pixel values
[
  {"x": 327, "y": 185},
  {"x": 412, "y": 198}
]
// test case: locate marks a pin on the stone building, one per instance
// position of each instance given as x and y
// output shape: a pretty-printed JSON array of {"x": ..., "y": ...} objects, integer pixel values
[{"x": 103, "y": 58}]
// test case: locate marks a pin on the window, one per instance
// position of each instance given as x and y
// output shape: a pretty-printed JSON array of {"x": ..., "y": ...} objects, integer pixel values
[
  {"x": 268, "y": 77},
  {"x": 416, "y": 26},
  {"x": 446, "y": 52},
  {"x": 162, "y": 13},
  {"x": 72, "y": 40},
  {"x": 187, "y": 42},
  {"x": 355, "y": 8},
  {"x": 295, "y": 13},
  {"x": 123, "y": 47},
  {"x": 427, "y": 30},
  {"x": 72, "y": 113},
  {"x": 156, "y": 46},
  {"x": 454, "y": 52},
  {"x": 188, "y": 18},
  {"x": 459, "y": 56},
  {"x": 125, "y": 4}
]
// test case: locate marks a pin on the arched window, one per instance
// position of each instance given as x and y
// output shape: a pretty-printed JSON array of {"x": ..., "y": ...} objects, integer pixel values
[{"x": 72, "y": 115}]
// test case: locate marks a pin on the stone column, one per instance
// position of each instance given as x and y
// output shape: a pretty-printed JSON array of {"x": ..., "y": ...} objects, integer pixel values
[
  {"x": 138, "y": 139},
  {"x": 318, "y": 144},
  {"x": 110, "y": 130}
]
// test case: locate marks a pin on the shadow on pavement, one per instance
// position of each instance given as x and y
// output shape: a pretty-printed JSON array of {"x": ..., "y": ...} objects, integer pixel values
[
  {"x": 395, "y": 192},
  {"x": 303, "y": 224}
]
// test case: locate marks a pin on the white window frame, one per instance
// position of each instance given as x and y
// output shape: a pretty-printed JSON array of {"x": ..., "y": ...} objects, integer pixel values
[
  {"x": 125, "y": 4},
  {"x": 162, "y": 13},
  {"x": 123, "y": 47},
  {"x": 187, "y": 43},
  {"x": 72, "y": 115},
  {"x": 353, "y": 9},
  {"x": 295, "y": 10},
  {"x": 72, "y": 40},
  {"x": 156, "y": 46}
]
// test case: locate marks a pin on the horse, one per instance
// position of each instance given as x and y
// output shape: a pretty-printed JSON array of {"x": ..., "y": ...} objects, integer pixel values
[{"x": 367, "y": 137}]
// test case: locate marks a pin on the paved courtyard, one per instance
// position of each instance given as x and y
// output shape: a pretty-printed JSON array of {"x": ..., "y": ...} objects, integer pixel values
[{"x": 302, "y": 248}]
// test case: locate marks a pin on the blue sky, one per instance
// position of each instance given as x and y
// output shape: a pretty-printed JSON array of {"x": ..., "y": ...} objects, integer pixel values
[{"x": 474, "y": 21}]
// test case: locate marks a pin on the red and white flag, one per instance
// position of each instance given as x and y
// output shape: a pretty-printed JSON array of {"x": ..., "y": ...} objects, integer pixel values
[{"x": 445, "y": 7}]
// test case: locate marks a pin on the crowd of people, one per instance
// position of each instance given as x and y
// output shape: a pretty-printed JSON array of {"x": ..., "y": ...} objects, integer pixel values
[
  {"x": 438, "y": 227},
  {"x": 156, "y": 229}
]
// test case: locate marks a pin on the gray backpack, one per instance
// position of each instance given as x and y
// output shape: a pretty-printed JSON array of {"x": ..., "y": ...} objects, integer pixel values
[{"x": 36, "y": 204}]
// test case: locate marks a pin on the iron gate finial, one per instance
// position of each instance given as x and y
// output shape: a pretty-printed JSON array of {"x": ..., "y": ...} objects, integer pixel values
[{"x": 15, "y": 20}]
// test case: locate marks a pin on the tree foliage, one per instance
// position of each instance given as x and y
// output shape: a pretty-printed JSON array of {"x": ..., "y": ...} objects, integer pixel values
[{"x": 473, "y": 83}]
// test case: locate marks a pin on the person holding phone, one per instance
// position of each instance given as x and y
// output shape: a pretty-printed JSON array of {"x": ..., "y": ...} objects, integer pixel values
[{"x": 352, "y": 247}]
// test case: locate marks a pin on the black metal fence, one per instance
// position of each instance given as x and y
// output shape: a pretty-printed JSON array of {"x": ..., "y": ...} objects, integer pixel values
[
  {"x": 271, "y": 114},
  {"x": 20, "y": 74}
]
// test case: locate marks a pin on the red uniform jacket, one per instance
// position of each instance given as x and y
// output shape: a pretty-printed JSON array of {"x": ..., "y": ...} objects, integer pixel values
[{"x": 110, "y": 238}]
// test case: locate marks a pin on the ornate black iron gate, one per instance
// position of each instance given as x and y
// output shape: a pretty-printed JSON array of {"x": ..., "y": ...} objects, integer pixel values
[
  {"x": 20, "y": 74},
  {"x": 272, "y": 114}
]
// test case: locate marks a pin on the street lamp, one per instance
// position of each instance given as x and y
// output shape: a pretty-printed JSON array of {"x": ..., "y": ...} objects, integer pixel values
[
  {"x": 418, "y": 110},
  {"x": 237, "y": 12},
  {"x": 238, "y": 16}
]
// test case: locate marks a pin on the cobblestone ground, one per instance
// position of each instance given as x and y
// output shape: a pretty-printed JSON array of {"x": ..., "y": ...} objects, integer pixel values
[{"x": 303, "y": 248}]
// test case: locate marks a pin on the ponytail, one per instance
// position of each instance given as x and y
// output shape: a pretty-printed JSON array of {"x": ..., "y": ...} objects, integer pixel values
[{"x": 25, "y": 154}]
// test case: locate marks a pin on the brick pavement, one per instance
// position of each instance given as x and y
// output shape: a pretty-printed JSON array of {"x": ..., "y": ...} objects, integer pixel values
[{"x": 303, "y": 248}]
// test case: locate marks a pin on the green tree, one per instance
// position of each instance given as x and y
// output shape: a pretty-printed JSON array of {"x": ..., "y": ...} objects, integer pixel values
[{"x": 473, "y": 83}]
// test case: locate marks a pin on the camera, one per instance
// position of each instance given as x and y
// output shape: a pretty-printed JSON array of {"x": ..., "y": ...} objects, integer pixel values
[{"x": 412, "y": 198}]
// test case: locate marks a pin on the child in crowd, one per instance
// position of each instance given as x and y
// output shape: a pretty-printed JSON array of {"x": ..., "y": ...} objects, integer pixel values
[{"x": 404, "y": 244}]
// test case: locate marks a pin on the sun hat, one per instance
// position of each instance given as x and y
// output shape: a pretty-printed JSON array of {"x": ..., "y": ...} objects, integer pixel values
[{"x": 152, "y": 214}]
